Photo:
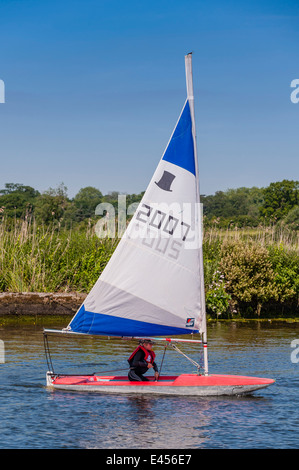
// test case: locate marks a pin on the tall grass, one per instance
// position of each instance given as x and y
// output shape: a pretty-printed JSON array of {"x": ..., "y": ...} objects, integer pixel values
[
  {"x": 50, "y": 258},
  {"x": 273, "y": 235},
  {"x": 39, "y": 258}
]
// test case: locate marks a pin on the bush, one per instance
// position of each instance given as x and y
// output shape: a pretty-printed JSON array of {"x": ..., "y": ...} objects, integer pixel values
[
  {"x": 286, "y": 267},
  {"x": 258, "y": 277},
  {"x": 248, "y": 274},
  {"x": 218, "y": 301}
]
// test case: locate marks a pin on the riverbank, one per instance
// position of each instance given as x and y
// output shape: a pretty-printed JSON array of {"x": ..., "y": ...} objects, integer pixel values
[
  {"x": 28, "y": 306},
  {"x": 40, "y": 303}
]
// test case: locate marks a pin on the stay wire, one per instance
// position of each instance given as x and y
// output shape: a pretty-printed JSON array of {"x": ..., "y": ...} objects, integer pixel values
[
  {"x": 165, "y": 347},
  {"x": 198, "y": 366}
]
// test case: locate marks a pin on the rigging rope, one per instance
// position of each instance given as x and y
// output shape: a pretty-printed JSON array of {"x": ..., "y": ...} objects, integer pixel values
[{"x": 198, "y": 366}]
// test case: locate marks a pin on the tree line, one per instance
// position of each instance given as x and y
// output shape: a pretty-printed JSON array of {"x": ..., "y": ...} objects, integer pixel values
[
  {"x": 54, "y": 205},
  {"x": 241, "y": 207}
]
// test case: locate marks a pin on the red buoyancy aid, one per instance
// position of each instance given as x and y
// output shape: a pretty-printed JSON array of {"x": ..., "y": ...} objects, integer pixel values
[{"x": 149, "y": 355}]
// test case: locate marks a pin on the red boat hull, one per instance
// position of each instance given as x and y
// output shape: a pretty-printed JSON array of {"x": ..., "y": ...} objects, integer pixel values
[{"x": 184, "y": 384}]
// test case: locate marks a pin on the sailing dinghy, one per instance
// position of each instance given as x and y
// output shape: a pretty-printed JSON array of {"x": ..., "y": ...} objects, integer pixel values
[{"x": 153, "y": 285}]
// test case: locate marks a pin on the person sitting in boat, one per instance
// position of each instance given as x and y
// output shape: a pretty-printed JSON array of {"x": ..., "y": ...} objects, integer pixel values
[{"x": 141, "y": 360}]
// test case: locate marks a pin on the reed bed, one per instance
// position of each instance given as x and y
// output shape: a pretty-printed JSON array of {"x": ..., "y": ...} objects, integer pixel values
[
  {"x": 273, "y": 235},
  {"x": 39, "y": 258},
  {"x": 245, "y": 269}
]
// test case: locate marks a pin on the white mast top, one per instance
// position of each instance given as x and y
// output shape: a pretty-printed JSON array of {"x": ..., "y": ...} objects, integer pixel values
[{"x": 189, "y": 80}]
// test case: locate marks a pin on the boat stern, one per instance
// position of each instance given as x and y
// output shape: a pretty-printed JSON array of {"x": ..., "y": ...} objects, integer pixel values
[{"x": 49, "y": 379}]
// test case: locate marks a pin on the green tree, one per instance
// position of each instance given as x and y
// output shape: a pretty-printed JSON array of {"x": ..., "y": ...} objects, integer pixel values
[
  {"x": 52, "y": 204},
  {"x": 279, "y": 199},
  {"x": 238, "y": 206},
  {"x": 292, "y": 218},
  {"x": 216, "y": 205},
  {"x": 17, "y": 199},
  {"x": 85, "y": 202}
]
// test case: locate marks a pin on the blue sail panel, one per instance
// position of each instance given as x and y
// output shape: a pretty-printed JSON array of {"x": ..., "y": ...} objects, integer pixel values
[
  {"x": 101, "y": 324},
  {"x": 180, "y": 150}
]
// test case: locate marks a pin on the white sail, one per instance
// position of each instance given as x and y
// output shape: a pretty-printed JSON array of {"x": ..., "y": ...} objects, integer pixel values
[{"x": 153, "y": 283}]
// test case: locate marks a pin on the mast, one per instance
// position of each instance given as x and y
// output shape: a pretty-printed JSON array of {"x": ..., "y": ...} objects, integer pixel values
[{"x": 190, "y": 97}]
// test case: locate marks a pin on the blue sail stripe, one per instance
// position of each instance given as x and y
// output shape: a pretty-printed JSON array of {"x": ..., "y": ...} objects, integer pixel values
[
  {"x": 101, "y": 324},
  {"x": 180, "y": 150}
]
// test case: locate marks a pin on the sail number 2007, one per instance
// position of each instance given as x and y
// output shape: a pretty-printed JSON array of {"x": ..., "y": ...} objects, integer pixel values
[
  {"x": 165, "y": 228},
  {"x": 162, "y": 221}
]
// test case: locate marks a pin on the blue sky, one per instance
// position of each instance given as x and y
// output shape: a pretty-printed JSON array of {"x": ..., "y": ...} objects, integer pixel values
[{"x": 94, "y": 89}]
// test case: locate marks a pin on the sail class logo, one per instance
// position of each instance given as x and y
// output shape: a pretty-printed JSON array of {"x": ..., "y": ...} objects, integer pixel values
[
  {"x": 190, "y": 322},
  {"x": 166, "y": 181},
  {"x": 295, "y": 93},
  {"x": 2, "y": 92}
]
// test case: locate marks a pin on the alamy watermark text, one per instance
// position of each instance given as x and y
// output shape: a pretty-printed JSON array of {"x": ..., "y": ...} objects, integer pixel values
[
  {"x": 2, "y": 91},
  {"x": 295, "y": 92},
  {"x": 295, "y": 353},
  {"x": 2, "y": 352},
  {"x": 177, "y": 224}
]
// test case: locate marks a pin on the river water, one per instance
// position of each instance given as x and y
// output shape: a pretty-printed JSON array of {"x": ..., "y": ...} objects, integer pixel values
[{"x": 33, "y": 416}]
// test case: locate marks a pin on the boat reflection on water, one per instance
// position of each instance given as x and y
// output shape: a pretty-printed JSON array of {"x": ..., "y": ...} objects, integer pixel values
[{"x": 145, "y": 422}]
